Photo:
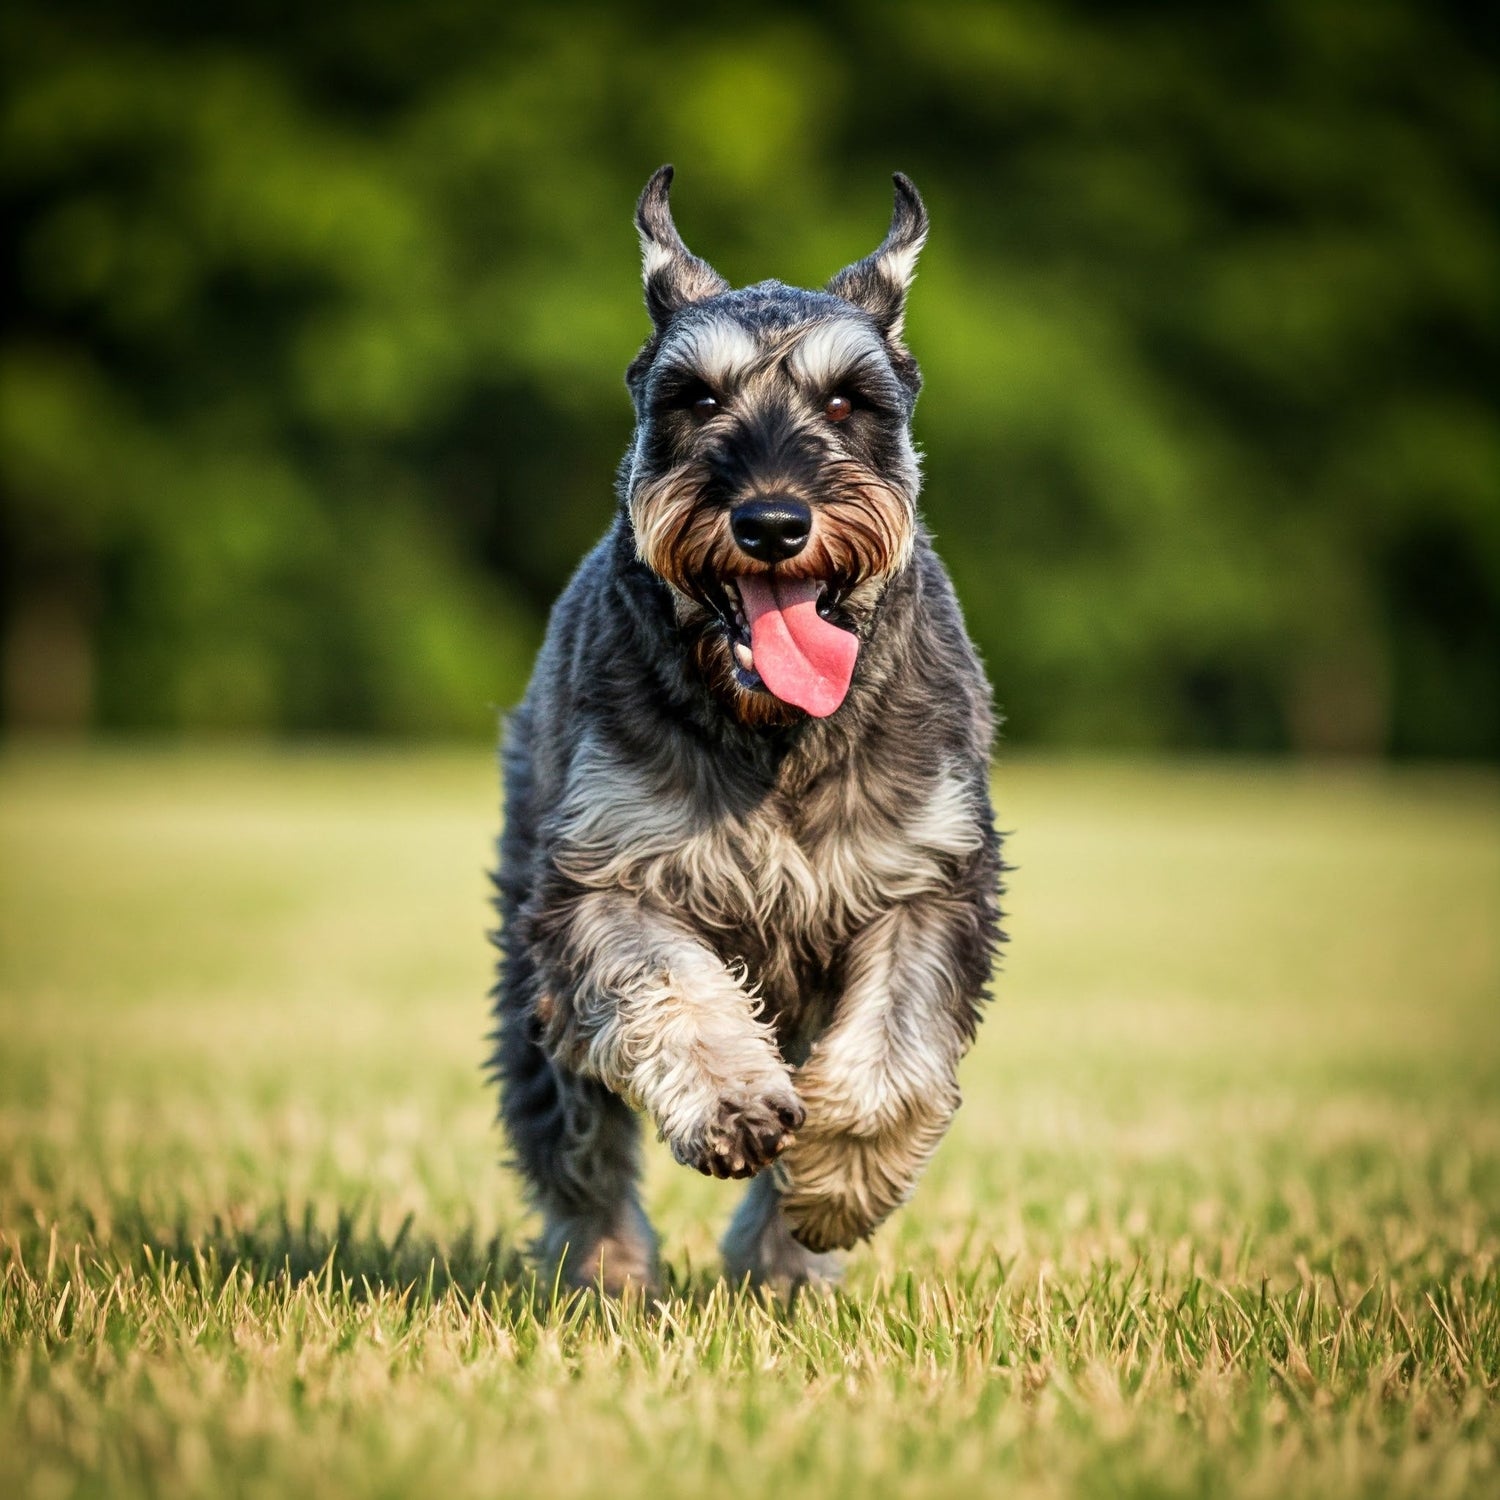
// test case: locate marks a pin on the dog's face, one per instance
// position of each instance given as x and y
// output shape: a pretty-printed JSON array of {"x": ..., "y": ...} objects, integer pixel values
[{"x": 772, "y": 481}]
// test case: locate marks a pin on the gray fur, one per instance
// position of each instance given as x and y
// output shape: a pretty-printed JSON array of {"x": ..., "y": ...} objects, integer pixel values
[{"x": 770, "y": 933}]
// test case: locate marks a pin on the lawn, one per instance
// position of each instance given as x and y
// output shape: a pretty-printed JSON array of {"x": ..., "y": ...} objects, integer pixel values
[{"x": 1220, "y": 1215}]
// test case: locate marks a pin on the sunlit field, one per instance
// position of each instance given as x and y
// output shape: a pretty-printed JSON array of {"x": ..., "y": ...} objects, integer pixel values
[{"x": 1220, "y": 1214}]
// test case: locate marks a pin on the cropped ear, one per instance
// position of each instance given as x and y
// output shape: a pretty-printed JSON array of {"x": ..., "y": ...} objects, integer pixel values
[
  {"x": 673, "y": 275},
  {"x": 878, "y": 283}
]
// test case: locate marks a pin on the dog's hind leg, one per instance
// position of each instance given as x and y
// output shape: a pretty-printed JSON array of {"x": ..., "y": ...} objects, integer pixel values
[
  {"x": 577, "y": 1145},
  {"x": 759, "y": 1245}
]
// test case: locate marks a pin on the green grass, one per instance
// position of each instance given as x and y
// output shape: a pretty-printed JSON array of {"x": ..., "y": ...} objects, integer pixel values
[{"x": 1220, "y": 1215}]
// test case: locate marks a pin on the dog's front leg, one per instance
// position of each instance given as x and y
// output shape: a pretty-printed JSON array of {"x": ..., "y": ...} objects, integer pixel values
[
  {"x": 637, "y": 1001},
  {"x": 880, "y": 1084}
]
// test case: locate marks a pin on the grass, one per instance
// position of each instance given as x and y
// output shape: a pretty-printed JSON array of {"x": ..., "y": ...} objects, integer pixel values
[{"x": 1220, "y": 1215}]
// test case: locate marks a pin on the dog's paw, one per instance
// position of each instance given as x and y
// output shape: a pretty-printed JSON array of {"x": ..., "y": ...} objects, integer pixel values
[{"x": 747, "y": 1134}]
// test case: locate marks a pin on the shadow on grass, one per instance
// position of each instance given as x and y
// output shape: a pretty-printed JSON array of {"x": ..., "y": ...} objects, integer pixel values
[
  {"x": 352, "y": 1256},
  {"x": 277, "y": 1247}
]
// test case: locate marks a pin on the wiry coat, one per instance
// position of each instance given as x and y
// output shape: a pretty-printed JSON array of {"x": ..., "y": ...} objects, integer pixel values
[{"x": 771, "y": 932}]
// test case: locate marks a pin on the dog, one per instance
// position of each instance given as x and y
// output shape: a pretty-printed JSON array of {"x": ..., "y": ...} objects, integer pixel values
[{"x": 749, "y": 876}]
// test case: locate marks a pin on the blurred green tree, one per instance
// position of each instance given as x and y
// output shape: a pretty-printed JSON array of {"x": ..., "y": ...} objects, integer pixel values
[{"x": 310, "y": 394}]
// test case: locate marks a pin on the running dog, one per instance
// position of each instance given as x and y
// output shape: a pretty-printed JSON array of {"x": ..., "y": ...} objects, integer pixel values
[{"x": 749, "y": 875}]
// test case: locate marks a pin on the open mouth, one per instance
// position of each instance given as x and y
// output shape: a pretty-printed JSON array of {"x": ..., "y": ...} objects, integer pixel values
[
  {"x": 737, "y": 628},
  {"x": 785, "y": 639}
]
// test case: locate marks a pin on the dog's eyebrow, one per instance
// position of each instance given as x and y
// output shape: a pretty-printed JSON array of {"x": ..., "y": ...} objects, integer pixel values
[
  {"x": 829, "y": 351},
  {"x": 720, "y": 350}
]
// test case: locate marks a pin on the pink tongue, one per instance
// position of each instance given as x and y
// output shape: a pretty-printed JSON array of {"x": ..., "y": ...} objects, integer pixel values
[{"x": 801, "y": 657}]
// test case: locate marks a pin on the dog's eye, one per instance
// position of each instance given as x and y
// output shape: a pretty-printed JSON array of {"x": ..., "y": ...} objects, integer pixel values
[
  {"x": 837, "y": 408},
  {"x": 703, "y": 408}
]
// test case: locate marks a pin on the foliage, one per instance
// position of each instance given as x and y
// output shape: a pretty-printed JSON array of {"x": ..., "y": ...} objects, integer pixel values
[
  {"x": 312, "y": 396},
  {"x": 1220, "y": 1215}
]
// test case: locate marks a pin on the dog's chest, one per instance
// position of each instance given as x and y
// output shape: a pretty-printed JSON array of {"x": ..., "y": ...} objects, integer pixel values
[{"x": 790, "y": 879}]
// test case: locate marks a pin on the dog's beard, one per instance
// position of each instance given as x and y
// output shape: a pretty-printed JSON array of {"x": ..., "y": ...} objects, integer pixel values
[{"x": 775, "y": 641}]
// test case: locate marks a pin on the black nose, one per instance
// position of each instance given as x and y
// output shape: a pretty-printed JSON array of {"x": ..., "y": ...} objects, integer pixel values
[{"x": 771, "y": 530}]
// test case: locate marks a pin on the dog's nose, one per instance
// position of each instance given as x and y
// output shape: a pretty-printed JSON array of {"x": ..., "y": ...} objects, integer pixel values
[{"x": 771, "y": 530}]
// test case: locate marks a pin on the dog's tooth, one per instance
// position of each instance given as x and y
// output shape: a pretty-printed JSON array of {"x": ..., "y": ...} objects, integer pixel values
[{"x": 744, "y": 656}]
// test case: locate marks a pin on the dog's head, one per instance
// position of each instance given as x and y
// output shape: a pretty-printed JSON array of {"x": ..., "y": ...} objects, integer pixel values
[{"x": 772, "y": 481}]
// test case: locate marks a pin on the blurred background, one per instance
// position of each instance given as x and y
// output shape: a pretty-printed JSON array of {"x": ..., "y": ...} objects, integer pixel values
[{"x": 311, "y": 395}]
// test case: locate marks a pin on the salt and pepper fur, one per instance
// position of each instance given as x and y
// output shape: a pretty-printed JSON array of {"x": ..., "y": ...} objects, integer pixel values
[{"x": 771, "y": 934}]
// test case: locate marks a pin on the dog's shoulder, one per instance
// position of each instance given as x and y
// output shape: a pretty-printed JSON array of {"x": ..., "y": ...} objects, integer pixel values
[
  {"x": 588, "y": 671},
  {"x": 945, "y": 680}
]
